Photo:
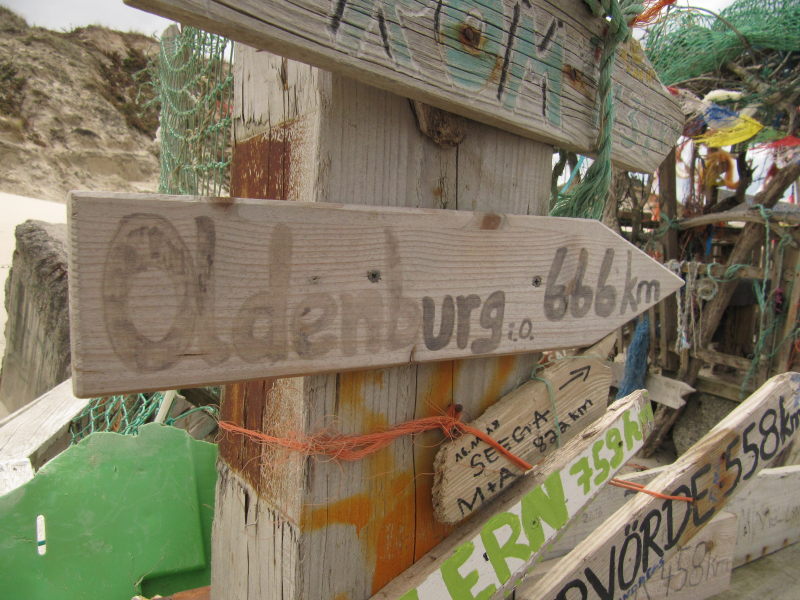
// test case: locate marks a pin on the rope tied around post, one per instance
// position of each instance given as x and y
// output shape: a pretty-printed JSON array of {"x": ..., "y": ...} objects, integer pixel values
[
  {"x": 356, "y": 447},
  {"x": 589, "y": 197}
]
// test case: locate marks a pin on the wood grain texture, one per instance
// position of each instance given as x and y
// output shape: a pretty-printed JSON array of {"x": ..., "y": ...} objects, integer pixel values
[
  {"x": 360, "y": 524},
  {"x": 40, "y": 430},
  {"x": 14, "y": 473},
  {"x": 783, "y": 213},
  {"x": 489, "y": 554},
  {"x": 633, "y": 544},
  {"x": 664, "y": 390},
  {"x": 529, "y": 68},
  {"x": 528, "y": 422},
  {"x": 769, "y": 515},
  {"x": 699, "y": 569},
  {"x": 192, "y": 291}
]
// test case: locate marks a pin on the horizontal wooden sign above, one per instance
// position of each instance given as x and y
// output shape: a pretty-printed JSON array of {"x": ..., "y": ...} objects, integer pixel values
[
  {"x": 529, "y": 422},
  {"x": 502, "y": 542},
  {"x": 530, "y": 67},
  {"x": 176, "y": 291}
]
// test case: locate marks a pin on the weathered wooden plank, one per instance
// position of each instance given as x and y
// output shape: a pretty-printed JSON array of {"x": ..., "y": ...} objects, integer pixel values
[
  {"x": 631, "y": 546},
  {"x": 699, "y": 569},
  {"x": 530, "y": 68},
  {"x": 40, "y": 430},
  {"x": 769, "y": 515},
  {"x": 712, "y": 357},
  {"x": 664, "y": 390},
  {"x": 317, "y": 528},
  {"x": 784, "y": 212},
  {"x": 469, "y": 473},
  {"x": 14, "y": 473},
  {"x": 170, "y": 291},
  {"x": 493, "y": 550}
]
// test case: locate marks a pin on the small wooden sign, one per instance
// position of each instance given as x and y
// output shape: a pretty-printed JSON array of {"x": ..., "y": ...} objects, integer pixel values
[
  {"x": 634, "y": 543},
  {"x": 502, "y": 542},
  {"x": 530, "y": 423},
  {"x": 769, "y": 514},
  {"x": 529, "y": 67},
  {"x": 176, "y": 291}
]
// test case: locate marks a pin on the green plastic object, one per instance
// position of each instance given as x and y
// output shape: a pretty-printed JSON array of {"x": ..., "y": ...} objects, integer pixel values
[{"x": 122, "y": 515}]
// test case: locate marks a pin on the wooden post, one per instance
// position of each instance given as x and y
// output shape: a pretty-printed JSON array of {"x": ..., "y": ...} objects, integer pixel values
[
  {"x": 669, "y": 206},
  {"x": 291, "y": 528}
]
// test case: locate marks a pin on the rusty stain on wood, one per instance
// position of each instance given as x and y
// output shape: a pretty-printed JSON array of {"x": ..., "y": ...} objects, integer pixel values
[
  {"x": 577, "y": 79},
  {"x": 261, "y": 165}
]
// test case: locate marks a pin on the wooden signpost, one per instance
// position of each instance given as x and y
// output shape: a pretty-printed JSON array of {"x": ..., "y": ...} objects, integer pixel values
[
  {"x": 530, "y": 423},
  {"x": 180, "y": 291},
  {"x": 170, "y": 292},
  {"x": 496, "y": 548},
  {"x": 635, "y": 542},
  {"x": 529, "y": 67}
]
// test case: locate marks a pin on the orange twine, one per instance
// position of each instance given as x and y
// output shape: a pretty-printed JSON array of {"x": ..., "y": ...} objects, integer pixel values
[
  {"x": 638, "y": 487},
  {"x": 651, "y": 12},
  {"x": 356, "y": 447}
]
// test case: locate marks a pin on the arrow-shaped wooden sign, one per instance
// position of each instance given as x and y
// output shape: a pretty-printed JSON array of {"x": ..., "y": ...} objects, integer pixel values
[
  {"x": 527, "y": 66},
  {"x": 178, "y": 291},
  {"x": 531, "y": 421},
  {"x": 637, "y": 540}
]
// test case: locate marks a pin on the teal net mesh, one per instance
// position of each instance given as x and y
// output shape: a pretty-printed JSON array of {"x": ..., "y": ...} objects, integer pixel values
[
  {"x": 193, "y": 81},
  {"x": 125, "y": 414},
  {"x": 688, "y": 43}
]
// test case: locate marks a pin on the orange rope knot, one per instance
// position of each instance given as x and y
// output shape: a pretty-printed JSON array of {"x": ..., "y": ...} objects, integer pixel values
[{"x": 357, "y": 447}]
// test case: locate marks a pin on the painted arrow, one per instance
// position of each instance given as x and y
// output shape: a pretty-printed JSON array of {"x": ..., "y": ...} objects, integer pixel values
[
  {"x": 530, "y": 422},
  {"x": 179, "y": 291},
  {"x": 580, "y": 371}
]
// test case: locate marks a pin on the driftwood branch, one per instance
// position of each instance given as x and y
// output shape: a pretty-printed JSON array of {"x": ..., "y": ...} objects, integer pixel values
[{"x": 752, "y": 235}]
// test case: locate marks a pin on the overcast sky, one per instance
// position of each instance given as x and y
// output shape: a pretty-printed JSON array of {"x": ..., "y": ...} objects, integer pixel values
[{"x": 67, "y": 14}]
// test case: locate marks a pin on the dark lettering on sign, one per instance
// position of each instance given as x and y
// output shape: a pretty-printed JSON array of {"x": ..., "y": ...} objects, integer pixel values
[
  {"x": 458, "y": 316},
  {"x": 366, "y": 307},
  {"x": 647, "y": 539},
  {"x": 465, "y": 304},
  {"x": 267, "y": 307},
  {"x": 701, "y": 566},
  {"x": 492, "y": 315},
  {"x": 532, "y": 432},
  {"x": 447, "y": 321},
  {"x": 577, "y": 374},
  {"x": 522, "y": 332},
  {"x": 606, "y": 297},
  {"x": 578, "y": 296},
  {"x": 404, "y": 313},
  {"x": 266, "y": 328},
  {"x": 145, "y": 242}
]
